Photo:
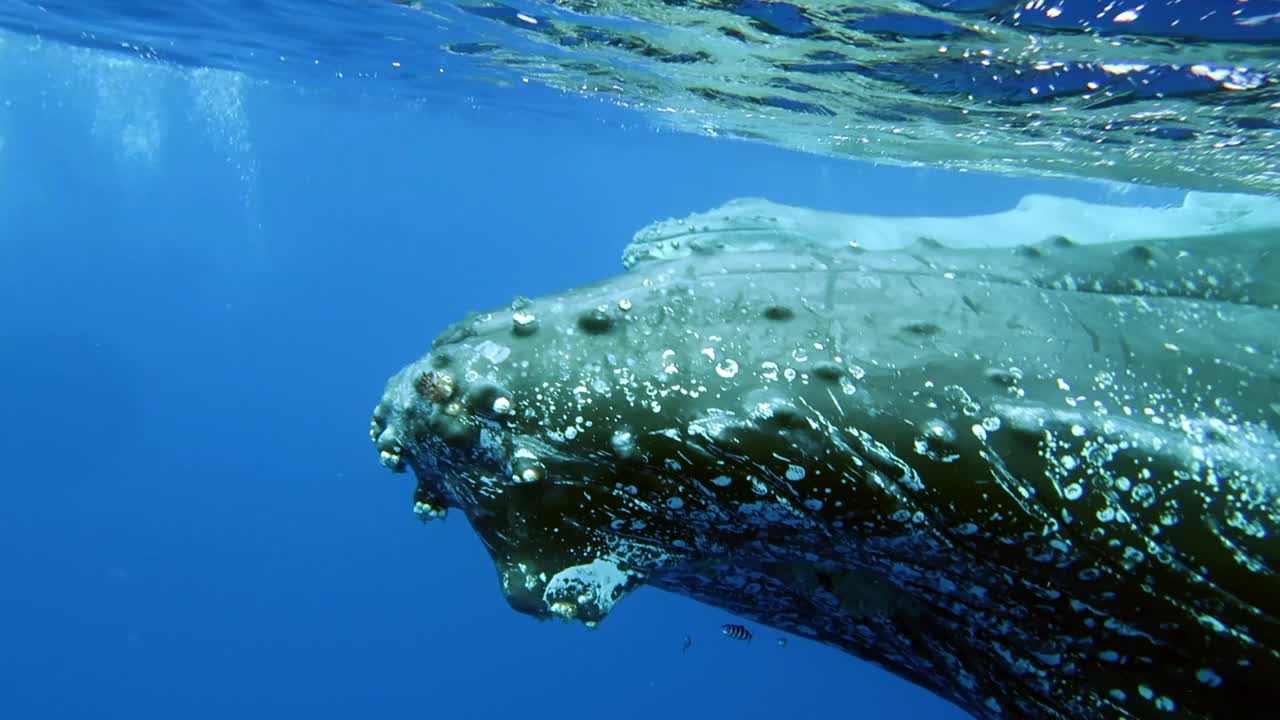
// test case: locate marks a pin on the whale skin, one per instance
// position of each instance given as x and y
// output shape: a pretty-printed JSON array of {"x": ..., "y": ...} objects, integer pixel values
[{"x": 1037, "y": 478}]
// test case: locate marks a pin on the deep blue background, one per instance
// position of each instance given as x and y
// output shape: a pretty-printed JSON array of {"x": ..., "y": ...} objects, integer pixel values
[{"x": 199, "y": 303}]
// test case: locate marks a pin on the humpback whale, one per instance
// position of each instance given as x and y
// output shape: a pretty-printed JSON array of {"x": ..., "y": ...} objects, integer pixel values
[{"x": 1026, "y": 460}]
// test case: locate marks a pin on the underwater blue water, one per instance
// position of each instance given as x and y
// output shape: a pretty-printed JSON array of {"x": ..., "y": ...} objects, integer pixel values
[
  {"x": 1167, "y": 93},
  {"x": 204, "y": 282}
]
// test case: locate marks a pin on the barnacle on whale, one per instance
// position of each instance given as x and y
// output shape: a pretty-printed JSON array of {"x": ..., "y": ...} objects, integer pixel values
[
  {"x": 1036, "y": 476},
  {"x": 438, "y": 386}
]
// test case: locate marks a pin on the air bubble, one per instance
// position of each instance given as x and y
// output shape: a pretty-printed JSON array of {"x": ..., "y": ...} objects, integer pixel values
[{"x": 727, "y": 368}]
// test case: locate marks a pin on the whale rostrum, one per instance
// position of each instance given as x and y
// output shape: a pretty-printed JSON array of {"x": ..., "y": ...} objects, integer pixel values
[{"x": 1033, "y": 471}]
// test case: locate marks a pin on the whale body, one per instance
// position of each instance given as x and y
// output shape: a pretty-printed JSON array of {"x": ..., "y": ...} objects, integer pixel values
[{"x": 1034, "y": 472}]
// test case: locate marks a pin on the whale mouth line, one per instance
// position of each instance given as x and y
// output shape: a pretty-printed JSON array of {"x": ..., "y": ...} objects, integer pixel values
[
  {"x": 774, "y": 229},
  {"x": 1048, "y": 284}
]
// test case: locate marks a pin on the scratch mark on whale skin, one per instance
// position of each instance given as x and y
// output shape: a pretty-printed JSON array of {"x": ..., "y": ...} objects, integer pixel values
[{"x": 1002, "y": 509}]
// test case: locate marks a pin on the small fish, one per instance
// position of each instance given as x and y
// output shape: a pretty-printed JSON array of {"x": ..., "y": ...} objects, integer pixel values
[
  {"x": 688, "y": 643},
  {"x": 737, "y": 632},
  {"x": 782, "y": 642}
]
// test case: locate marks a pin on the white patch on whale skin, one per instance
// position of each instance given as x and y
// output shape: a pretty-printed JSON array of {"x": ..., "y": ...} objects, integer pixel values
[
  {"x": 493, "y": 352},
  {"x": 596, "y": 583}
]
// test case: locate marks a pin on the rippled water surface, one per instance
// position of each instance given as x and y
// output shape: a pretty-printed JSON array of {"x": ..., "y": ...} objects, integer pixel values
[{"x": 1182, "y": 93}]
